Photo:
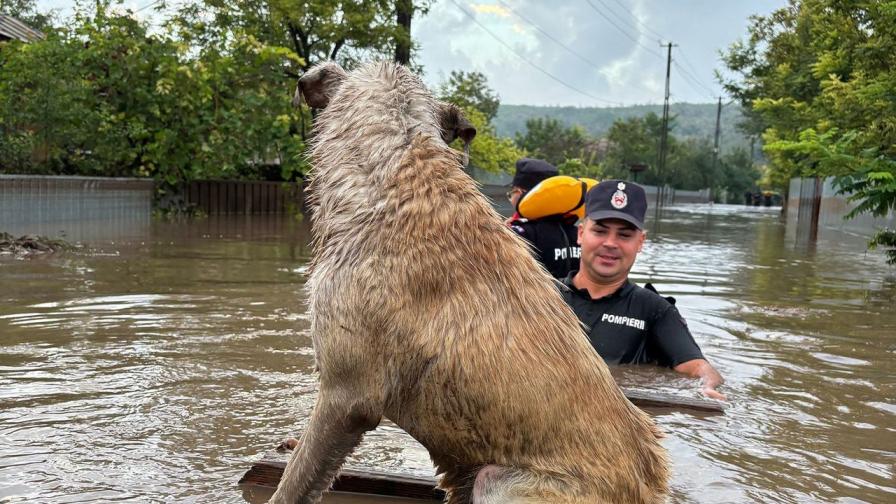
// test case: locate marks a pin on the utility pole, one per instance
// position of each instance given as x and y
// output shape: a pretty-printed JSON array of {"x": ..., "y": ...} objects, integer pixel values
[
  {"x": 661, "y": 172},
  {"x": 715, "y": 149}
]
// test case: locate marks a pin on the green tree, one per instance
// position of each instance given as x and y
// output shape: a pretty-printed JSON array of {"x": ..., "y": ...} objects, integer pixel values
[
  {"x": 551, "y": 140},
  {"x": 104, "y": 96},
  {"x": 471, "y": 93},
  {"x": 575, "y": 167},
  {"x": 470, "y": 90},
  {"x": 634, "y": 141},
  {"x": 689, "y": 165},
  {"x": 818, "y": 80},
  {"x": 737, "y": 174},
  {"x": 346, "y": 31},
  {"x": 489, "y": 151},
  {"x": 404, "y": 44}
]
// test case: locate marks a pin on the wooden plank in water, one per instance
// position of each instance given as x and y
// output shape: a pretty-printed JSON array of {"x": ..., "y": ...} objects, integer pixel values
[
  {"x": 268, "y": 471},
  {"x": 644, "y": 399},
  {"x": 658, "y": 400}
]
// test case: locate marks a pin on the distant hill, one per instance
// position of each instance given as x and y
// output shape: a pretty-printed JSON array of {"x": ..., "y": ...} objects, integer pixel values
[{"x": 694, "y": 120}]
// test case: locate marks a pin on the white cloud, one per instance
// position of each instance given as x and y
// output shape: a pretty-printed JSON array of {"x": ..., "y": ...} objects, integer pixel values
[
  {"x": 599, "y": 59},
  {"x": 604, "y": 62},
  {"x": 490, "y": 9}
]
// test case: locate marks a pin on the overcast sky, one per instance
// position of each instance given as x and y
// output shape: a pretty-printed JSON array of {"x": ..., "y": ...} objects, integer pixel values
[{"x": 576, "y": 52}]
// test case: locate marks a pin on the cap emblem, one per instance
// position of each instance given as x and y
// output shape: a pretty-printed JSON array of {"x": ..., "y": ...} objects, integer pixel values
[
  {"x": 620, "y": 186},
  {"x": 619, "y": 200}
]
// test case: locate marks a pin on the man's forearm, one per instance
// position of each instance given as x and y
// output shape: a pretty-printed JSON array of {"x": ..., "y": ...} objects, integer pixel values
[{"x": 701, "y": 368}]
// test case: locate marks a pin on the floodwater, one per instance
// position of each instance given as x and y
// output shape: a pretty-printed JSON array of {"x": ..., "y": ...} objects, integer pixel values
[{"x": 158, "y": 367}]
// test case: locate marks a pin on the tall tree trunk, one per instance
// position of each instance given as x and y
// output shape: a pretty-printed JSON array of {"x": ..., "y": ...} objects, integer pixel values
[{"x": 404, "y": 11}]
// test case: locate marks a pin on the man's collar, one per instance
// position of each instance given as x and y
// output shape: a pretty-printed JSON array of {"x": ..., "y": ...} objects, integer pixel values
[{"x": 624, "y": 288}]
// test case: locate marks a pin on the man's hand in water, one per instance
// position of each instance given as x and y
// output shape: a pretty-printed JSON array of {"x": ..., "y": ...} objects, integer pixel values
[{"x": 701, "y": 368}]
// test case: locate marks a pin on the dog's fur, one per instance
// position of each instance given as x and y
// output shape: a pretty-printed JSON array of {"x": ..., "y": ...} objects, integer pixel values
[{"x": 427, "y": 310}]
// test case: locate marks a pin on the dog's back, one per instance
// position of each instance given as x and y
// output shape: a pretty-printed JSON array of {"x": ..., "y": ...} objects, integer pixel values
[
  {"x": 500, "y": 370},
  {"x": 476, "y": 354}
]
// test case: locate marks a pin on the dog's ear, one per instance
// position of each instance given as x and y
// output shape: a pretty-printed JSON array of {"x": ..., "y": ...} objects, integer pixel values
[
  {"x": 454, "y": 125},
  {"x": 318, "y": 85}
]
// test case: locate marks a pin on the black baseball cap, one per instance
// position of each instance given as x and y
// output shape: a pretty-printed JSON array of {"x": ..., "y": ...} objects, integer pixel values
[
  {"x": 529, "y": 172},
  {"x": 617, "y": 199}
]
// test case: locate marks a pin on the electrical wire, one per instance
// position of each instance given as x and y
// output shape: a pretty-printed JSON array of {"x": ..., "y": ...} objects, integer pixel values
[
  {"x": 156, "y": 2},
  {"x": 686, "y": 77},
  {"x": 624, "y": 31},
  {"x": 533, "y": 65},
  {"x": 691, "y": 68},
  {"x": 548, "y": 35},
  {"x": 640, "y": 23},
  {"x": 561, "y": 44},
  {"x": 693, "y": 81},
  {"x": 692, "y": 71},
  {"x": 687, "y": 62}
]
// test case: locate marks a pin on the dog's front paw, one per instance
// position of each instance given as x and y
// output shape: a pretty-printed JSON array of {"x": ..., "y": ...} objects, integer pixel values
[{"x": 288, "y": 444}]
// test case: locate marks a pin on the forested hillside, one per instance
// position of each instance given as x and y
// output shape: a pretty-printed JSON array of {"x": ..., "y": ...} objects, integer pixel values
[{"x": 692, "y": 120}]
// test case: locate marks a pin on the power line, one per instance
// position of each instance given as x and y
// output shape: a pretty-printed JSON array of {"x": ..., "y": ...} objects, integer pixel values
[
  {"x": 690, "y": 79},
  {"x": 626, "y": 9},
  {"x": 561, "y": 44},
  {"x": 693, "y": 82},
  {"x": 692, "y": 74},
  {"x": 533, "y": 65},
  {"x": 624, "y": 31},
  {"x": 687, "y": 62},
  {"x": 148, "y": 6},
  {"x": 548, "y": 35},
  {"x": 623, "y": 19}
]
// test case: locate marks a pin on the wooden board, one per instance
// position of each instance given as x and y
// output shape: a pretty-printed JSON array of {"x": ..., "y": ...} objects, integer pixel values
[
  {"x": 265, "y": 474},
  {"x": 653, "y": 400},
  {"x": 268, "y": 471}
]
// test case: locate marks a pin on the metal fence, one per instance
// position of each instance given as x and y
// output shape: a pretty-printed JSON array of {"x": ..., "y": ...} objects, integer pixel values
[
  {"x": 243, "y": 197},
  {"x": 813, "y": 207},
  {"x": 680, "y": 196},
  {"x": 76, "y": 208}
]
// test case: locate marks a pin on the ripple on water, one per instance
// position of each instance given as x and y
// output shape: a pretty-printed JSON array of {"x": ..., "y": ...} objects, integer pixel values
[
  {"x": 839, "y": 360},
  {"x": 885, "y": 407}
]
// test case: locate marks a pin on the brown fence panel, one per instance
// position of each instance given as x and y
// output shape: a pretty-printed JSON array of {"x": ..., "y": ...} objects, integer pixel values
[
  {"x": 203, "y": 201},
  {"x": 240, "y": 201},
  {"x": 243, "y": 197},
  {"x": 269, "y": 199}
]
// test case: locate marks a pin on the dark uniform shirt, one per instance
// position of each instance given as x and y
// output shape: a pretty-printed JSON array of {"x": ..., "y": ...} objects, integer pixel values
[
  {"x": 555, "y": 241},
  {"x": 633, "y": 325}
]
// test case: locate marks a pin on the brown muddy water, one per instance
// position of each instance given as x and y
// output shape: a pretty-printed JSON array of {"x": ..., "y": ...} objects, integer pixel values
[{"x": 156, "y": 368}]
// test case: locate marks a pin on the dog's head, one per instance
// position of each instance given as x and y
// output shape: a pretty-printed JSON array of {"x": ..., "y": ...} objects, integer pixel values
[{"x": 320, "y": 85}]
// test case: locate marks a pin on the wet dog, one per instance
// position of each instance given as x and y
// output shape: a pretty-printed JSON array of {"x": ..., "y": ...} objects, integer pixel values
[{"x": 427, "y": 310}]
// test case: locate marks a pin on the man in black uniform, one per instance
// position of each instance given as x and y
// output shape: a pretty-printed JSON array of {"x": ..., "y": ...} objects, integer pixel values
[
  {"x": 554, "y": 236},
  {"x": 628, "y": 324}
]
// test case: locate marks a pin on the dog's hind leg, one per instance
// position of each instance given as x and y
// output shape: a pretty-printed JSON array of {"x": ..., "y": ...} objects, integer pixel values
[
  {"x": 337, "y": 425},
  {"x": 507, "y": 485}
]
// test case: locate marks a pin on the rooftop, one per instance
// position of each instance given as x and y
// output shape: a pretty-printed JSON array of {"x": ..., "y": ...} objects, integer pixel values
[{"x": 12, "y": 28}]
